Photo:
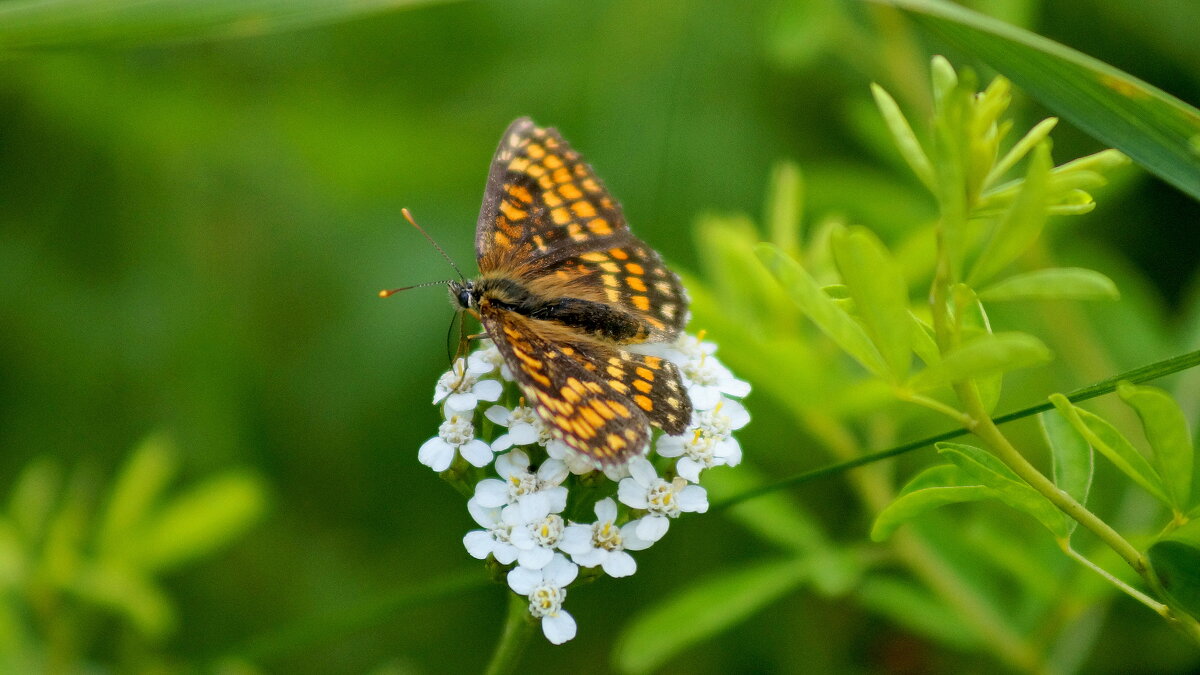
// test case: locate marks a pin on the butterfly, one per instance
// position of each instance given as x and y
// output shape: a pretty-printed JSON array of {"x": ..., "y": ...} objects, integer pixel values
[{"x": 564, "y": 290}]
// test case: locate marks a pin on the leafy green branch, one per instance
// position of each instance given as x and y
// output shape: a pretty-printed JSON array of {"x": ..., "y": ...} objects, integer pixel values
[{"x": 984, "y": 227}]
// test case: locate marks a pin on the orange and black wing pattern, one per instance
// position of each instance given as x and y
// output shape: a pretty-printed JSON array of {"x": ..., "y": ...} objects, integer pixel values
[
  {"x": 597, "y": 398},
  {"x": 564, "y": 287},
  {"x": 549, "y": 220}
]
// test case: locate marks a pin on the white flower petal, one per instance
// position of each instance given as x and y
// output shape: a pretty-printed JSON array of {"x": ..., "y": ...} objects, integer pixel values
[
  {"x": 576, "y": 540},
  {"x": 560, "y": 571},
  {"x": 538, "y": 502},
  {"x": 652, "y": 528},
  {"x": 483, "y": 515},
  {"x": 522, "y": 538},
  {"x": 523, "y": 580},
  {"x": 730, "y": 450},
  {"x": 502, "y": 443},
  {"x": 733, "y": 387},
  {"x": 491, "y": 492},
  {"x": 478, "y": 363},
  {"x": 533, "y": 510},
  {"x": 606, "y": 510},
  {"x": 523, "y": 433},
  {"x": 477, "y": 452},
  {"x": 558, "y": 498},
  {"x": 462, "y": 402},
  {"x": 552, "y": 471},
  {"x": 479, "y": 544},
  {"x": 498, "y": 414},
  {"x": 514, "y": 463},
  {"x": 512, "y": 516},
  {"x": 490, "y": 390},
  {"x": 436, "y": 454},
  {"x": 591, "y": 557},
  {"x": 558, "y": 628},
  {"x": 631, "y": 494},
  {"x": 704, "y": 397},
  {"x": 619, "y": 564},
  {"x": 738, "y": 415},
  {"x": 643, "y": 472},
  {"x": 505, "y": 553},
  {"x": 535, "y": 558},
  {"x": 689, "y": 469},
  {"x": 630, "y": 541},
  {"x": 692, "y": 499},
  {"x": 670, "y": 446}
]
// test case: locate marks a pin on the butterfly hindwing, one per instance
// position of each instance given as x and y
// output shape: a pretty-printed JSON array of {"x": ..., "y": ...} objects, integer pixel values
[{"x": 563, "y": 383}]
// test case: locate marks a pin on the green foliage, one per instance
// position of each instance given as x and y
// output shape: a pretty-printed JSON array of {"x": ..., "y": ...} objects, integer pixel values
[
  {"x": 36, "y": 24},
  {"x": 1073, "y": 461},
  {"x": 1153, "y": 127},
  {"x": 67, "y": 568},
  {"x": 200, "y": 205},
  {"x": 1176, "y": 557},
  {"x": 708, "y": 606}
]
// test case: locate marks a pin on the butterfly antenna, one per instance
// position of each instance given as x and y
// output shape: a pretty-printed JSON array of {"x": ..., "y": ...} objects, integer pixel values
[
  {"x": 387, "y": 293},
  {"x": 409, "y": 218}
]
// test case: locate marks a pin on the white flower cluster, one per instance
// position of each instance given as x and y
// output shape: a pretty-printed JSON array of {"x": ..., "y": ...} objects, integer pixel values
[{"x": 520, "y": 502}]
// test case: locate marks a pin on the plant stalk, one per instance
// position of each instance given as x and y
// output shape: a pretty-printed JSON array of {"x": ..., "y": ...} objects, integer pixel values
[{"x": 518, "y": 627}]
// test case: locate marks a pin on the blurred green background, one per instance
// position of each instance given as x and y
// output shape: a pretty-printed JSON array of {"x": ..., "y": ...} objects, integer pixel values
[{"x": 193, "y": 231}]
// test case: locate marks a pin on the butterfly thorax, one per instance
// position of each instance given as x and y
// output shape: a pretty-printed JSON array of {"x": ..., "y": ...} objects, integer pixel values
[{"x": 596, "y": 319}]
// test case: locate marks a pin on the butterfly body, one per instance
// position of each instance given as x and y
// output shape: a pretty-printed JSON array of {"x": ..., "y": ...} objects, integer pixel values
[{"x": 564, "y": 289}]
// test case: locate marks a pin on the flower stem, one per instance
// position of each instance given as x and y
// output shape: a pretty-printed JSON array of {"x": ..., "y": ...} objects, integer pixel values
[{"x": 518, "y": 626}]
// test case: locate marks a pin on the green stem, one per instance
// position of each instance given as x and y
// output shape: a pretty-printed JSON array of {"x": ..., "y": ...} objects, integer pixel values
[
  {"x": 518, "y": 626},
  {"x": 1107, "y": 386},
  {"x": 989, "y": 433},
  {"x": 932, "y": 404},
  {"x": 1132, "y": 592},
  {"x": 920, "y": 558}
]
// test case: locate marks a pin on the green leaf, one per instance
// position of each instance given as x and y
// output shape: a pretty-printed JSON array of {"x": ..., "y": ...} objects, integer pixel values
[
  {"x": 1074, "y": 462},
  {"x": 1060, "y": 283},
  {"x": 1028, "y": 142},
  {"x": 923, "y": 341},
  {"x": 1008, "y": 486},
  {"x": 1167, "y": 431},
  {"x": 1021, "y": 224},
  {"x": 973, "y": 322},
  {"x": 34, "y": 496},
  {"x": 906, "y": 141},
  {"x": 131, "y": 594},
  {"x": 141, "y": 481},
  {"x": 58, "y": 24},
  {"x": 710, "y": 607},
  {"x": 1112, "y": 444},
  {"x": 1154, "y": 128},
  {"x": 986, "y": 355},
  {"x": 879, "y": 293},
  {"x": 915, "y": 608},
  {"x": 934, "y": 487},
  {"x": 774, "y": 517},
  {"x": 785, "y": 207},
  {"x": 1176, "y": 560},
  {"x": 821, "y": 309},
  {"x": 202, "y": 520},
  {"x": 13, "y": 558}
]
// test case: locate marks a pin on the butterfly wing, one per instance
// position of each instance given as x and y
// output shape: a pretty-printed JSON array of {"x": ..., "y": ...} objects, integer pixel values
[
  {"x": 548, "y": 220},
  {"x": 596, "y": 397}
]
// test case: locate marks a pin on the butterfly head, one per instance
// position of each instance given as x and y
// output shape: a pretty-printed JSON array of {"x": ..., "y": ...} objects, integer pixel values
[{"x": 464, "y": 293}]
